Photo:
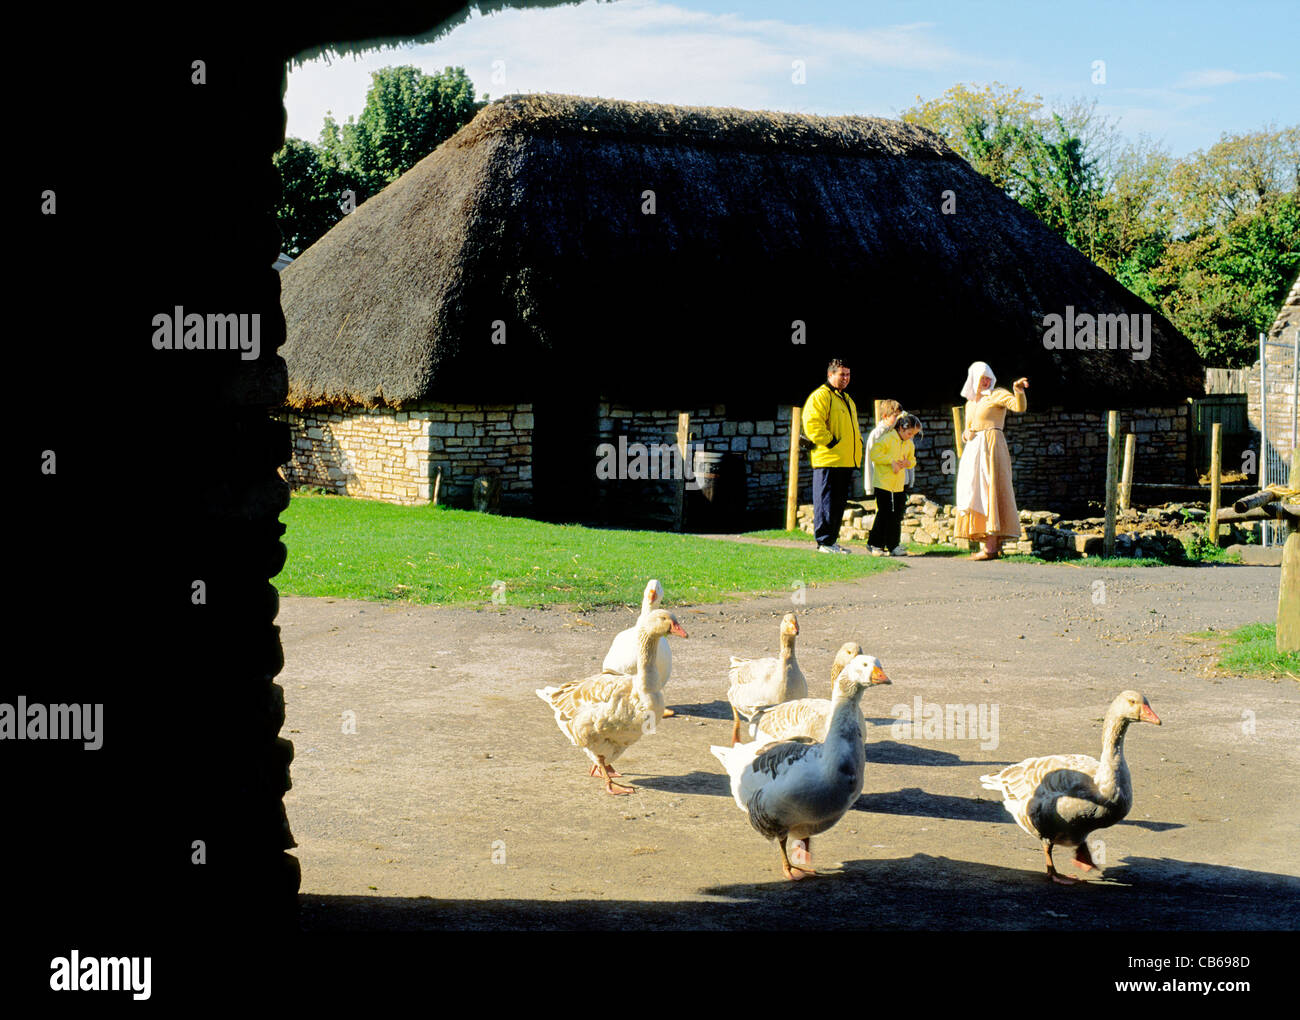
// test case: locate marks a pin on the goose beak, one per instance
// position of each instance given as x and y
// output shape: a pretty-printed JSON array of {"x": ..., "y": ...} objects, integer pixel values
[
  {"x": 1147, "y": 715},
  {"x": 677, "y": 629},
  {"x": 878, "y": 676}
]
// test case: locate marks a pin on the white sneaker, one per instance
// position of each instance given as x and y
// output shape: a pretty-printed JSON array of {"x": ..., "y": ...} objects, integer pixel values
[
  {"x": 875, "y": 550},
  {"x": 826, "y": 548},
  {"x": 840, "y": 549},
  {"x": 898, "y": 550}
]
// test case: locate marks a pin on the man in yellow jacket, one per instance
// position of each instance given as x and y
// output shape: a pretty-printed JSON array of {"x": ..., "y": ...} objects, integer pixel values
[{"x": 830, "y": 420}]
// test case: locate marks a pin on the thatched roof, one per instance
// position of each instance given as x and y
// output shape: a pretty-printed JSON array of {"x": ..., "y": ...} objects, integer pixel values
[{"x": 532, "y": 216}]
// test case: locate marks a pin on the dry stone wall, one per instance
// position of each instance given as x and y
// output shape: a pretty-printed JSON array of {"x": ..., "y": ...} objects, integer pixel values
[{"x": 394, "y": 456}]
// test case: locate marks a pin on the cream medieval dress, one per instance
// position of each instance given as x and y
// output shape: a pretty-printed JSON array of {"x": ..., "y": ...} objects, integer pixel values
[{"x": 986, "y": 503}]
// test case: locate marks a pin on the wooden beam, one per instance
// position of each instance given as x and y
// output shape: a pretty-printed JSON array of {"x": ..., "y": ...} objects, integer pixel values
[
  {"x": 1112, "y": 481},
  {"x": 1126, "y": 484},
  {"x": 1212, "y": 518},
  {"x": 958, "y": 428},
  {"x": 792, "y": 486},
  {"x": 684, "y": 450}
]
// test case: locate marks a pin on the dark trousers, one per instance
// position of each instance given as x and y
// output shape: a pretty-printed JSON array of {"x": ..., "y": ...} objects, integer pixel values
[
  {"x": 830, "y": 493},
  {"x": 886, "y": 530}
]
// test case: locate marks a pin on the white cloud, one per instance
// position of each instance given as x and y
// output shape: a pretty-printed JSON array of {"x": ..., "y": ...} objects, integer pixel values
[
  {"x": 642, "y": 50},
  {"x": 1218, "y": 76}
]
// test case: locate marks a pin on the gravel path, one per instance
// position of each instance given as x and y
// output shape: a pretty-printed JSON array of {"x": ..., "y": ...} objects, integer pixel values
[{"x": 456, "y": 803}]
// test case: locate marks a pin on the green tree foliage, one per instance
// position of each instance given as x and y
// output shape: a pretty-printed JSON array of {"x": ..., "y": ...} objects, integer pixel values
[
  {"x": 1211, "y": 240},
  {"x": 309, "y": 195},
  {"x": 406, "y": 116}
]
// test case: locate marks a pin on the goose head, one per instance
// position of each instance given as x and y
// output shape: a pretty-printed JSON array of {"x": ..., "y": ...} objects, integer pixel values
[
  {"x": 661, "y": 622},
  {"x": 1132, "y": 706},
  {"x": 848, "y": 651},
  {"x": 863, "y": 671},
  {"x": 789, "y": 628},
  {"x": 653, "y": 595}
]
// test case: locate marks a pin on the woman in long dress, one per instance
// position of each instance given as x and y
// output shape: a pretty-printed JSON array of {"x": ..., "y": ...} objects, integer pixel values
[{"x": 986, "y": 502}]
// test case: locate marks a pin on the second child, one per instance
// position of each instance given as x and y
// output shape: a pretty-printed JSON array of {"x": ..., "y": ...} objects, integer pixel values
[{"x": 892, "y": 455}]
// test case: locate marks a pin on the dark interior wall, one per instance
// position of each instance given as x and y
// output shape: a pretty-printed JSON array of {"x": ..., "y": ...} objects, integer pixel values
[{"x": 163, "y": 191}]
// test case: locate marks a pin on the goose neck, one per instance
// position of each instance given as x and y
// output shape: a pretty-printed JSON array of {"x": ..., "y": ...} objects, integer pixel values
[{"x": 1112, "y": 773}]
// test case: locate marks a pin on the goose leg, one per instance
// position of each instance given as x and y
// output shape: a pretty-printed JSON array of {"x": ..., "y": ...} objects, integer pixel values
[
  {"x": 1083, "y": 858},
  {"x": 735, "y": 726},
  {"x": 621, "y": 791},
  {"x": 801, "y": 854},
  {"x": 789, "y": 870},
  {"x": 612, "y": 771},
  {"x": 1051, "y": 868}
]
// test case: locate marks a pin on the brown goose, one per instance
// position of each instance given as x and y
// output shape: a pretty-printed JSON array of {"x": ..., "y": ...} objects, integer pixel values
[
  {"x": 809, "y": 717},
  {"x": 607, "y": 713},
  {"x": 1061, "y": 798},
  {"x": 762, "y": 683}
]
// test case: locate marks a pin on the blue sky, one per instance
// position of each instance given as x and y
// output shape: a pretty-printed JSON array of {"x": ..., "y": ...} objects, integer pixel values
[{"x": 1181, "y": 74}]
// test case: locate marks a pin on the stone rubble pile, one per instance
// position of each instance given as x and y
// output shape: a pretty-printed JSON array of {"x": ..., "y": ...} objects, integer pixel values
[{"x": 1157, "y": 531}]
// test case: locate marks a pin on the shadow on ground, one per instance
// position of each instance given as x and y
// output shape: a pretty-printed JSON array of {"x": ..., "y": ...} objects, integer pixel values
[{"x": 920, "y": 892}]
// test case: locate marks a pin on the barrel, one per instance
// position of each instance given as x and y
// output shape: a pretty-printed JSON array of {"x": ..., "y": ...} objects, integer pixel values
[{"x": 709, "y": 475}]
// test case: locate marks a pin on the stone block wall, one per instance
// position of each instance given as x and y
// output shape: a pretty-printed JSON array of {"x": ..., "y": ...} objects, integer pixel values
[
  {"x": 394, "y": 455},
  {"x": 1059, "y": 457},
  {"x": 760, "y": 444}
]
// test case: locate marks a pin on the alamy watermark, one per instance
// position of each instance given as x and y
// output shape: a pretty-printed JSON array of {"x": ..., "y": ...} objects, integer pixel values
[
  {"x": 23, "y": 721},
  {"x": 1088, "y": 332},
  {"x": 639, "y": 461},
  {"x": 932, "y": 721}
]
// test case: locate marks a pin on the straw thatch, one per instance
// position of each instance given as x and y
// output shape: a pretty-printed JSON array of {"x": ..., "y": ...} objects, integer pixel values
[{"x": 532, "y": 216}]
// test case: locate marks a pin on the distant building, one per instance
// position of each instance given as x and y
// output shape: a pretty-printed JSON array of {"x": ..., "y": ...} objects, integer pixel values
[{"x": 564, "y": 272}]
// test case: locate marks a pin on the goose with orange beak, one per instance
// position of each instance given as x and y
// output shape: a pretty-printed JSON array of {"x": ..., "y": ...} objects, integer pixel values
[{"x": 1061, "y": 798}]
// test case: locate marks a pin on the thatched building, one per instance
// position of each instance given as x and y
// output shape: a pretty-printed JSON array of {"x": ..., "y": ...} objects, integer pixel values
[{"x": 565, "y": 271}]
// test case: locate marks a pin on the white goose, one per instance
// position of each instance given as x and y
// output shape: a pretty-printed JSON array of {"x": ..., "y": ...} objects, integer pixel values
[
  {"x": 607, "y": 713},
  {"x": 622, "y": 654},
  {"x": 1061, "y": 798},
  {"x": 762, "y": 683},
  {"x": 797, "y": 788},
  {"x": 809, "y": 717}
]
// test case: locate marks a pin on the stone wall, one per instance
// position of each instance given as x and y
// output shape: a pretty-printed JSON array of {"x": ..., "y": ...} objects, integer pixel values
[
  {"x": 1279, "y": 385},
  {"x": 394, "y": 456},
  {"x": 1059, "y": 457},
  {"x": 756, "y": 443}
]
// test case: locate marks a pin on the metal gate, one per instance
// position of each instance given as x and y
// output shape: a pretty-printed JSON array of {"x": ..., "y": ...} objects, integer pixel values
[{"x": 1274, "y": 469}]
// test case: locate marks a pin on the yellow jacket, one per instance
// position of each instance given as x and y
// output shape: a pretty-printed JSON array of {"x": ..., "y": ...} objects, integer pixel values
[
  {"x": 884, "y": 451},
  {"x": 830, "y": 419}
]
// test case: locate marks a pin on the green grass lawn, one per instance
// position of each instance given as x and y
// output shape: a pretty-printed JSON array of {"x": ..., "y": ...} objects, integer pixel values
[
  {"x": 361, "y": 549},
  {"x": 1252, "y": 651}
]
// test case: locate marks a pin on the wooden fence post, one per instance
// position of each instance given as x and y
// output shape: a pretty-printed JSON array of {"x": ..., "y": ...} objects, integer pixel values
[
  {"x": 957, "y": 430},
  {"x": 792, "y": 487},
  {"x": 1112, "y": 473},
  {"x": 1126, "y": 484},
  {"x": 1212, "y": 520},
  {"x": 684, "y": 449}
]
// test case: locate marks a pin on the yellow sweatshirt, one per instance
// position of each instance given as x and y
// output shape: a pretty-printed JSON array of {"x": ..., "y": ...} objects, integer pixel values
[
  {"x": 830, "y": 419},
  {"x": 884, "y": 451}
]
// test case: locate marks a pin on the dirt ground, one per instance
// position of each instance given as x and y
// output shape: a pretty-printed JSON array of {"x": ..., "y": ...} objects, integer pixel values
[{"x": 457, "y": 803}]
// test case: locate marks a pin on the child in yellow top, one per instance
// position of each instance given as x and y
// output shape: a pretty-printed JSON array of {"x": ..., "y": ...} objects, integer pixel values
[{"x": 891, "y": 455}]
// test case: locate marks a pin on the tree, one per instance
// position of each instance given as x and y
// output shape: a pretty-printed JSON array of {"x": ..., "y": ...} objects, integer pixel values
[
  {"x": 309, "y": 195},
  {"x": 407, "y": 115}
]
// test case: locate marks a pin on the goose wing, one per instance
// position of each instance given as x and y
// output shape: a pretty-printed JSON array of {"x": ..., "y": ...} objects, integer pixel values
[
  {"x": 806, "y": 717},
  {"x": 1053, "y": 775}
]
